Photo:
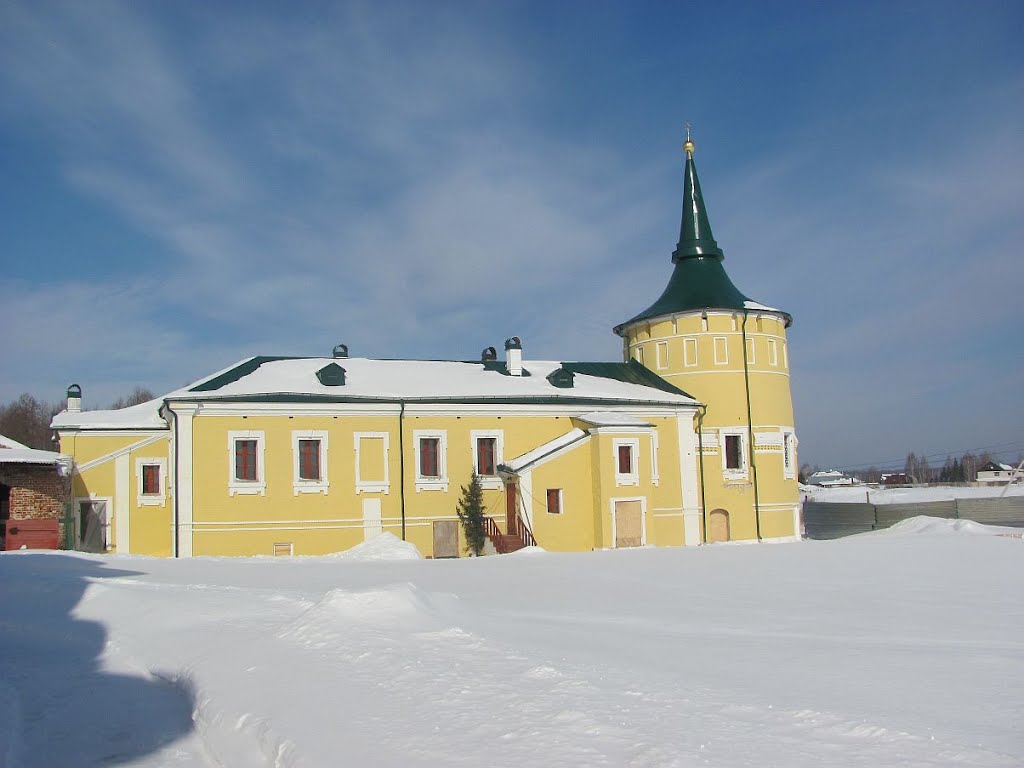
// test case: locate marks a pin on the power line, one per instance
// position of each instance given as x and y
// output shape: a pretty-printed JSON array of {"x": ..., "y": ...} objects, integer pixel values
[{"x": 1005, "y": 448}]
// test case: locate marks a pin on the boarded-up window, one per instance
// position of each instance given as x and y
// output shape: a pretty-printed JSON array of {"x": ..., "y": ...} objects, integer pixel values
[
  {"x": 371, "y": 459},
  {"x": 245, "y": 460},
  {"x": 309, "y": 459},
  {"x": 555, "y": 501},
  {"x": 486, "y": 450},
  {"x": 429, "y": 459},
  {"x": 151, "y": 479}
]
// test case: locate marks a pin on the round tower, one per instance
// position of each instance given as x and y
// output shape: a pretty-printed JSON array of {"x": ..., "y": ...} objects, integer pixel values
[{"x": 705, "y": 337}]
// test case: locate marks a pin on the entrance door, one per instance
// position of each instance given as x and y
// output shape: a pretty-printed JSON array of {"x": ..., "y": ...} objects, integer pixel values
[
  {"x": 92, "y": 526},
  {"x": 629, "y": 522},
  {"x": 446, "y": 538},
  {"x": 718, "y": 525}
]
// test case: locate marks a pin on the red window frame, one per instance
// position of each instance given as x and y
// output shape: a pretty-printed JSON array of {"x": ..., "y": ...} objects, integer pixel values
[
  {"x": 555, "y": 501},
  {"x": 246, "y": 465},
  {"x": 733, "y": 451},
  {"x": 430, "y": 464},
  {"x": 150, "y": 479},
  {"x": 309, "y": 459},
  {"x": 625, "y": 459},
  {"x": 486, "y": 455}
]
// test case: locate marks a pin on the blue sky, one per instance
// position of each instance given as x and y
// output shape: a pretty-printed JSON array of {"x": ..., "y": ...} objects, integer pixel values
[{"x": 185, "y": 184}]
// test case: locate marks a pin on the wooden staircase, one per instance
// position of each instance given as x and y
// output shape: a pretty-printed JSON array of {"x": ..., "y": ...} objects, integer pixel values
[{"x": 519, "y": 537}]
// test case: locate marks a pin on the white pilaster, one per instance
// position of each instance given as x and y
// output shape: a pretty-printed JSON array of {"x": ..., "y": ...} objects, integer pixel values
[
  {"x": 689, "y": 479},
  {"x": 184, "y": 413},
  {"x": 122, "y": 503}
]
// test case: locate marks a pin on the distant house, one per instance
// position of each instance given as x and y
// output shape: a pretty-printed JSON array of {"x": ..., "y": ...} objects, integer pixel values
[
  {"x": 828, "y": 478},
  {"x": 995, "y": 473},
  {"x": 34, "y": 486},
  {"x": 895, "y": 478}
]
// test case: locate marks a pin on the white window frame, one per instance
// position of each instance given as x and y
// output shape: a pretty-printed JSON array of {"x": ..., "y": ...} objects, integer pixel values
[
  {"x": 741, "y": 473},
  {"x": 309, "y": 486},
  {"x": 789, "y": 444},
  {"x": 750, "y": 350},
  {"x": 638, "y": 354},
  {"x": 785, "y": 356},
  {"x": 724, "y": 358},
  {"x": 661, "y": 355},
  {"x": 773, "y": 352},
  {"x": 655, "y": 476},
  {"x": 374, "y": 486},
  {"x": 432, "y": 483},
  {"x": 258, "y": 486},
  {"x": 488, "y": 482},
  {"x": 561, "y": 501},
  {"x": 632, "y": 477},
  {"x": 151, "y": 499},
  {"x": 690, "y": 344}
]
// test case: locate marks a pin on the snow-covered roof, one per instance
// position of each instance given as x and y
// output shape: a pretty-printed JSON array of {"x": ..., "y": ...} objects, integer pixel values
[
  {"x": 141, "y": 416},
  {"x": 521, "y": 462},
  {"x": 6, "y": 442},
  {"x": 31, "y": 456},
  {"x": 758, "y": 305},
  {"x": 433, "y": 381}
]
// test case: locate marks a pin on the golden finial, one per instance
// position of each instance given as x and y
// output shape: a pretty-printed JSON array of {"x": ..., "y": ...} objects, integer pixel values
[{"x": 688, "y": 146}]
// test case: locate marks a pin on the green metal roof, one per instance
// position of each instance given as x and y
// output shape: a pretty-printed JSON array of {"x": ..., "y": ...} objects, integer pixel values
[
  {"x": 239, "y": 371},
  {"x": 699, "y": 281}
]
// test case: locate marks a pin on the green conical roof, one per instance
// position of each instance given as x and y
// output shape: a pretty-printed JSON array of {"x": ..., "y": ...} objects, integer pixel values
[{"x": 699, "y": 280}]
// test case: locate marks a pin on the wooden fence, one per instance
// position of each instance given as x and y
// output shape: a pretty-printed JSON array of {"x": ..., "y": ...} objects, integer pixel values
[{"x": 823, "y": 520}]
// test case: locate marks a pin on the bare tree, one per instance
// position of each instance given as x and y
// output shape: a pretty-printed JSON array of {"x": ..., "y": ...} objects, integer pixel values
[
  {"x": 138, "y": 395},
  {"x": 27, "y": 420}
]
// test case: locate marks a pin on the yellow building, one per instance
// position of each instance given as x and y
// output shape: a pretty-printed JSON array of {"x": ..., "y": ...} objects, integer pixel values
[{"x": 305, "y": 456}]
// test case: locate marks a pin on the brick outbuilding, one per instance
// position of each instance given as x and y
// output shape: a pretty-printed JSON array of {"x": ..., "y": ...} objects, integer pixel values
[{"x": 34, "y": 486}]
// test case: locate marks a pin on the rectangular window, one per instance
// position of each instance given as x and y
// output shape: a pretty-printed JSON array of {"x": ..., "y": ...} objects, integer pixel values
[
  {"x": 246, "y": 457},
  {"x": 554, "y": 501},
  {"x": 750, "y": 351},
  {"x": 773, "y": 352},
  {"x": 638, "y": 355},
  {"x": 733, "y": 452},
  {"x": 661, "y": 352},
  {"x": 625, "y": 460},
  {"x": 485, "y": 454},
  {"x": 429, "y": 450},
  {"x": 626, "y": 469},
  {"x": 689, "y": 352},
  {"x": 721, "y": 350},
  {"x": 245, "y": 460},
  {"x": 309, "y": 459},
  {"x": 431, "y": 462},
  {"x": 150, "y": 479}
]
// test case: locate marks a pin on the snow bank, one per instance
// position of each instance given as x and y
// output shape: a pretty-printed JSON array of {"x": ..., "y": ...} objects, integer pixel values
[
  {"x": 940, "y": 526},
  {"x": 386, "y": 546}
]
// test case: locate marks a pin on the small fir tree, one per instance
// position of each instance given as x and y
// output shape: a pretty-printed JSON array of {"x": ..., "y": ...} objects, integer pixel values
[{"x": 471, "y": 513}]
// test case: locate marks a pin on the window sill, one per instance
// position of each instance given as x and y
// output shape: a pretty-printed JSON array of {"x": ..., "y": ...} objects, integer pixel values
[
  {"x": 373, "y": 487},
  {"x": 627, "y": 480},
  {"x": 247, "y": 489},
  {"x": 150, "y": 501},
  {"x": 439, "y": 484},
  {"x": 310, "y": 488},
  {"x": 490, "y": 482}
]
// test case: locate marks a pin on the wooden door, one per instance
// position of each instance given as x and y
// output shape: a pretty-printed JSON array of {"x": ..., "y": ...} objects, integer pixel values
[
  {"x": 511, "y": 514},
  {"x": 629, "y": 522},
  {"x": 718, "y": 526},
  {"x": 446, "y": 538}
]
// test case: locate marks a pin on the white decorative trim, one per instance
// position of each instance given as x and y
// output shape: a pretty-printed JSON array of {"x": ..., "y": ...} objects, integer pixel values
[
  {"x": 633, "y": 476},
  {"x": 372, "y": 523},
  {"x": 80, "y": 468},
  {"x": 690, "y": 345},
  {"x": 488, "y": 482},
  {"x": 750, "y": 349},
  {"x": 643, "y": 516},
  {"x": 561, "y": 501},
  {"x": 767, "y": 441},
  {"x": 259, "y": 485},
  {"x": 377, "y": 485},
  {"x": 655, "y": 476},
  {"x": 439, "y": 483},
  {"x": 183, "y": 480},
  {"x": 661, "y": 355},
  {"x": 773, "y": 353},
  {"x": 789, "y": 460},
  {"x": 309, "y": 486},
  {"x": 723, "y": 358},
  {"x": 150, "y": 499},
  {"x": 689, "y": 481}
]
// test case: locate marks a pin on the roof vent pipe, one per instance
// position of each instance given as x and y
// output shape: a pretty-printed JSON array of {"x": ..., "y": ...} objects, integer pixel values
[
  {"x": 514, "y": 356},
  {"x": 490, "y": 353},
  {"x": 74, "y": 398},
  {"x": 341, "y": 350}
]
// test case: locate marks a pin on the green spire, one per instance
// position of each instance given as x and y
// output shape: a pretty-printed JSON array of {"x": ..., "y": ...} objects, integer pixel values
[{"x": 695, "y": 238}]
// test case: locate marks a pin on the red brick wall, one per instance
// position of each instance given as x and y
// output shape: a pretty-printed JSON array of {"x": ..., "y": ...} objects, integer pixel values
[{"x": 37, "y": 492}]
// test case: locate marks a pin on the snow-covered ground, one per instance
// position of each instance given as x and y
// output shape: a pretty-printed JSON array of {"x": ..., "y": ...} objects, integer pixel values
[
  {"x": 854, "y": 493},
  {"x": 899, "y": 648}
]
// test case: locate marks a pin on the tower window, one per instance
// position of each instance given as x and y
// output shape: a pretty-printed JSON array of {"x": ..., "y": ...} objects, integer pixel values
[
  {"x": 773, "y": 352},
  {"x": 661, "y": 350},
  {"x": 734, "y": 454},
  {"x": 721, "y": 350},
  {"x": 690, "y": 352}
]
